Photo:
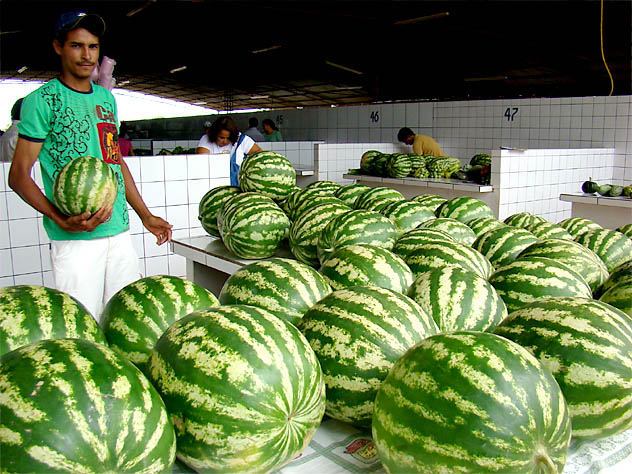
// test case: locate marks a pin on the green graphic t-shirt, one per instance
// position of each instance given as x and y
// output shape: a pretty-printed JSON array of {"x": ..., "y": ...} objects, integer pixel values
[{"x": 71, "y": 124}]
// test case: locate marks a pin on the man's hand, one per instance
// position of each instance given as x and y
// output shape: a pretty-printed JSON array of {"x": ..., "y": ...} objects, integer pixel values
[
  {"x": 86, "y": 222},
  {"x": 159, "y": 227}
]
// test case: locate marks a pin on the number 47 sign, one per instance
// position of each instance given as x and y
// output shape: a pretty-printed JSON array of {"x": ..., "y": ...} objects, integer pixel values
[{"x": 510, "y": 113}]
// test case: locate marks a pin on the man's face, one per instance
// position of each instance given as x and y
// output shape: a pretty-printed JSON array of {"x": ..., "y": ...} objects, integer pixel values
[
  {"x": 79, "y": 53},
  {"x": 409, "y": 139}
]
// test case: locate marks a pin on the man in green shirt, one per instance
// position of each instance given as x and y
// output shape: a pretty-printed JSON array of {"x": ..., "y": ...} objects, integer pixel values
[{"x": 68, "y": 117}]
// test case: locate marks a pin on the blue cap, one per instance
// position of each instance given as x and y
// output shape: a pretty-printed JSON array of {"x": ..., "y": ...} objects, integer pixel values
[{"x": 71, "y": 20}]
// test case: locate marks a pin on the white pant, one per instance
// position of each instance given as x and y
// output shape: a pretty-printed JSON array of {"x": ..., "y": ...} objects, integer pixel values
[{"x": 92, "y": 271}]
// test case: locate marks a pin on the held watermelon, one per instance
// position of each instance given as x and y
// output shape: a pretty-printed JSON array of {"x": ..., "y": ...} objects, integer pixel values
[{"x": 85, "y": 184}]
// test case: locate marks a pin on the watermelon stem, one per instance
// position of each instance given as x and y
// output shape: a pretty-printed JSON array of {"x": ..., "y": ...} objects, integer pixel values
[{"x": 544, "y": 463}]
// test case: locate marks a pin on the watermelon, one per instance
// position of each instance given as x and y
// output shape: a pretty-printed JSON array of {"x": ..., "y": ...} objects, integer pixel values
[
  {"x": 211, "y": 203},
  {"x": 362, "y": 264},
  {"x": 305, "y": 205},
  {"x": 328, "y": 186},
  {"x": 243, "y": 388},
  {"x": 576, "y": 256},
  {"x": 409, "y": 241},
  {"x": 406, "y": 215},
  {"x": 430, "y": 200},
  {"x": 503, "y": 244},
  {"x": 625, "y": 229},
  {"x": 378, "y": 203},
  {"x": 366, "y": 160},
  {"x": 377, "y": 192},
  {"x": 578, "y": 225},
  {"x": 458, "y": 299},
  {"x": 619, "y": 296},
  {"x": 306, "y": 230},
  {"x": 350, "y": 192},
  {"x": 398, "y": 165},
  {"x": 84, "y": 184},
  {"x": 252, "y": 225},
  {"x": 530, "y": 279},
  {"x": 587, "y": 346},
  {"x": 457, "y": 229},
  {"x": 612, "y": 247},
  {"x": 433, "y": 255},
  {"x": 356, "y": 227},
  {"x": 378, "y": 165},
  {"x": 549, "y": 230},
  {"x": 470, "y": 402},
  {"x": 620, "y": 274},
  {"x": 421, "y": 173},
  {"x": 29, "y": 313},
  {"x": 416, "y": 161},
  {"x": 481, "y": 159},
  {"x": 137, "y": 315},
  {"x": 523, "y": 220},
  {"x": 302, "y": 195},
  {"x": 480, "y": 225},
  {"x": 464, "y": 208},
  {"x": 71, "y": 405},
  {"x": 268, "y": 173},
  {"x": 282, "y": 286},
  {"x": 358, "y": 333}
]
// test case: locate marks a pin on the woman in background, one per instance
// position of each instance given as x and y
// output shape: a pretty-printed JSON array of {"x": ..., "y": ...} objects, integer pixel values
[
  {"x": 271, "y": 132},
  {"x": 125, "y": 144}
]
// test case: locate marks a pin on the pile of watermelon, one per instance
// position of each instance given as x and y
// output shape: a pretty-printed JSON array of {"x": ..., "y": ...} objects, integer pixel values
[{"x": 465, "y": 343}]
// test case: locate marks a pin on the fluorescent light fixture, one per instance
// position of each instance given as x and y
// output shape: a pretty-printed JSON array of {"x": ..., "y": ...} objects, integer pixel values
[
  {"x": 333, "y": 106},
  {"x": 348, "y": 88},
  {"x": 178, "y": 69},
  {"x": 489, "y": 78},
  {"x": 202, "y": 102},
  {"x": 412, "y": 21},
  {"x": 264, "y": 50},
  {"x": 344, "y": 68},
  {"x": 259, "y": 96},
  {"x": 122, "y": 83},
  {"x": 299, "y": 107},
  {"x": 22, "y": 69}
]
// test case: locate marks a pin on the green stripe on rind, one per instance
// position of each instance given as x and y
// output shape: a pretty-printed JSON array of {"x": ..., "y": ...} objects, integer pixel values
[
  {"x": 407, "y": 215},
  {"x": 137, "y": 315},
  {"x": 503, "y": 244},
  {"x": 398, "y": 165},
  {"x": 268, "y": 173},
  {"x": 306, "y": 230},
  {"x": 374, "y": 193},
  {"x": 578, "y": 225},
  {"x": 358, "y": 333},
  {"x": 350, "y": 193},
  {"x": 464, "y": 209},
  {"x": 284, "y": 287},
  {"x": 303, "y": 195},
  {"x": 211, "y": 203},
  {"x": 457, "y": 229},
  {"x": 470, "y": 402},
  {"x": 84, "y": 184},
  {"x": 587, "y": 346},
  {"x": 579, "y": 258},
  {"x": 626, "y": 230},
  {"x": 438, "y": 254},
  {"x": 430, "y": 200},
  {"x": 29, "y": 313},
  {"x": 361, "y": 265},
  {"x": 306, "y": 205},
  {"x": 458, "y": 299},
  {"x": 549, "y": 230},
  {"x": 530, "y": 279},
  {"x": 622, "y": 273},
  {"x": 243, "y": 388},
  {"x": 356, "y": 227},
  {"x": 619, "y": 296},
  {"x": 611, "y": 246},
  {"x": 523, "y": 220},
  {"x": 416, "y": 237},
  {"x": 328, "y": 186},
  {"x": 480, "y": 225},
  {"x": 252, "y": 226},
  {"x": 80, "y": 407}
]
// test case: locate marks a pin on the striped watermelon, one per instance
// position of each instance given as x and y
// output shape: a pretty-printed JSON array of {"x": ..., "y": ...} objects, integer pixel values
[
  {"x": 430, "y": 200},
  {"x": 252, "y": 225},
  {"x": 549, "y": 230},
  {"x": 576, "y": 256},
  {"x": 398, "y": 165},
  {"x": 457, "y": 229},
  {"x": 29, "y": 313},
  {"x": 378, "y": 165},
  {"x": 377, "y": 192},
  {"x": 350, "y": 192},
  {"x": 523, "y": 220},
  {"x": 458, "y": 299},
  {"x": 324, "y": 185},
  {"x": 619, "y": 296},
  {"x": 137, "y": 315},
  {"x": 378, "y": 203},
  {"x": 625, "y": 229},
  {"x": 620, "y": 274},
  {"x": 243, "y": 388},
  {"x": 433, "y": 255},
  {"x": 406, "y": 215},
  {"x": 366, "y": 160},
  {"x": 356, "y": 227},
  {"x": 612, "y": 247},
  {"x": 503, "y": 244},
  {"x": 70, "y": 405},
  {"x": 268, "y": 173},
  {"x": 530, "y": 279},
  {"x": 358, "y": 333},
  {"x": 85, "y": 184},
  {"x": 464, "y": 209},
  {"x": 578, "y": 225},
  {"x": 416, "y": 161},
  {"x": 305, "y": 194},
  {"x": 587, "y": 346},
  {"x": 480, "y": 225},
  {"x": 284, "y": 287},
  {"x": 361, "y": 265},
  {"x": 416, "y": 237},
  {"x": 211, "y": 203},
  {"x": 470, "y": 402},
  {"x": 305, "y": 205},
  {"x": 306, "y": 230}
]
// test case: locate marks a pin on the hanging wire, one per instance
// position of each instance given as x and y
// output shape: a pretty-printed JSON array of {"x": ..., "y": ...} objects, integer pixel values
[{"x": 603, "y": 57}]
